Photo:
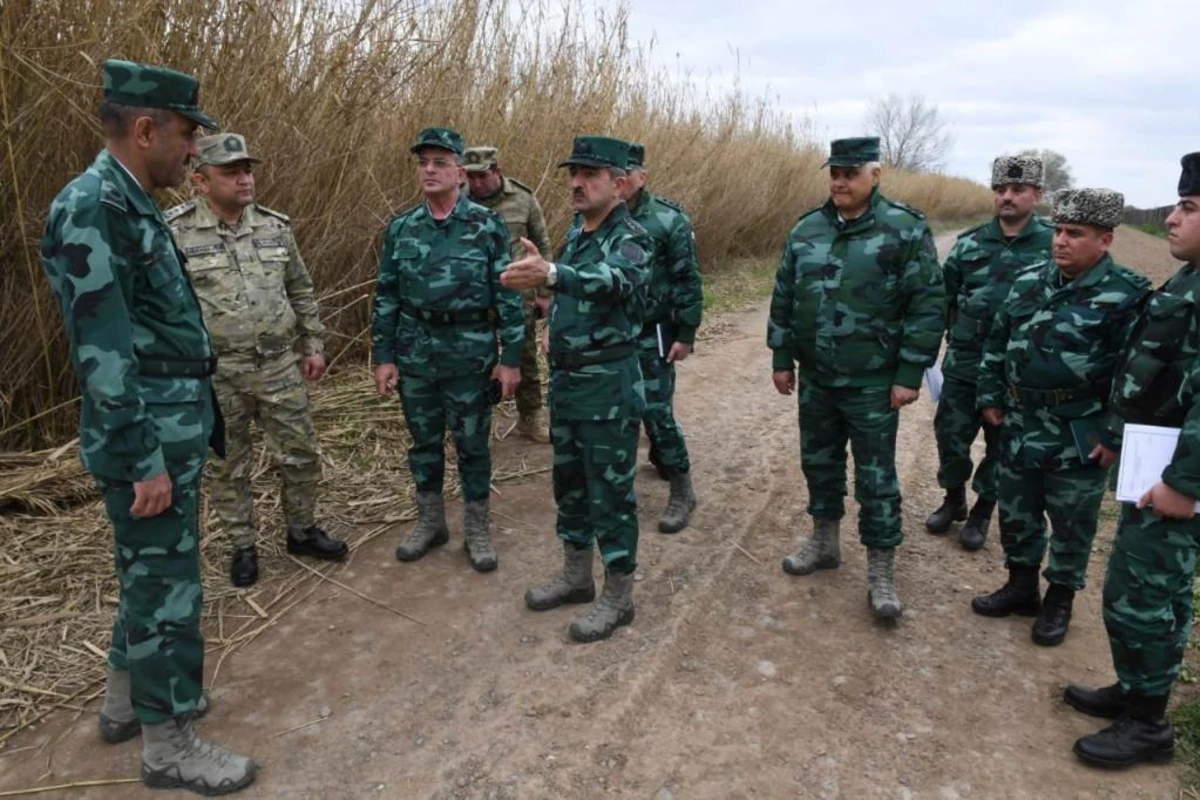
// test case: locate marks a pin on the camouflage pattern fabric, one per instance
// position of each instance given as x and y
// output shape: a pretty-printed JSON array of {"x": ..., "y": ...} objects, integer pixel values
[
  {"x": 829, "y": 418},
  {"x": 1148, "y": 585},
  {"x": 522, "y": 214},
  {"x": 431, "y": 405},
  {"x": 439, "y": 138},
  {"x": 978, "y": 273},
  {"x": 675, "y": 297},
  {"x": 127, "y": 83},
  {"x": 133, "y": 325},
  {"x": 271, "y": 394},
  {"x": 595, "y": 408}
]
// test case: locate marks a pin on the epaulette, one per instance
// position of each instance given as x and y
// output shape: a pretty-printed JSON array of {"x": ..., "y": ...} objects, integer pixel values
[
  {"x": 279, "y": 215},
  {"x": 110, "y": 195},
  {"x": 669, "y": 203},
  {"x": 976, "y": 229},
  {"x": 520, "y": 185},
  {"x": 179, "y": 210},
  {"x": 904, "y": 207},
  {"x": 808, "y": 214}
]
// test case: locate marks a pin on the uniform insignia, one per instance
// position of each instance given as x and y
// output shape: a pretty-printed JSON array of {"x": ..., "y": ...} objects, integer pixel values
[
  {"x": 203, "y": 250},
  {"x": 279, "y": 215},
  {"x": 520, "y": 185},
  {"x": 268, "y": 241},
  {"x": 110, "y": 195},
  {"x": 179, "y": 210}
]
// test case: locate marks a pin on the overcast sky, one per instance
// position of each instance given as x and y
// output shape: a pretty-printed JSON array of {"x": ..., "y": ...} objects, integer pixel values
[{"x": 1114, "y": 86}]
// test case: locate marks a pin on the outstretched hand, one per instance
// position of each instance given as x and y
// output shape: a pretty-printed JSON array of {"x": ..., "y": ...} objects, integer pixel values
[{"x": 526, "y": 273}]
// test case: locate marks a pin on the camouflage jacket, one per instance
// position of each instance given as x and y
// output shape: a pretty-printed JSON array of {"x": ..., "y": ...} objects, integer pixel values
[
  {"x": 438, "y": 297},
  {"x": 1050, "y": 356},
  {"x": 674, "y": 293},
  {"x": 516, "y": 203},
  {"x": 979, "y": 272},
  {"x": 860, "y": 302},
  {"x": 252, "y": 283},
  {"x": 135, "y": 330},
  {"x": 596, "y": 308}
]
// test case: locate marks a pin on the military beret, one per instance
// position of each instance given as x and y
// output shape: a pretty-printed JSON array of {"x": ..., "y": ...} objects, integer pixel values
[
  {"x": 223, "y": 148},
  {"x": 480, "y": 159},
  {"x": 598, "y": 151},
  {"x": 637, "y": 155},
  {"x": 1028, "y": 170},
  {"x": 853, "y": 152},
  {"x": 1189, "y": 179},
  {"x": 1099, "y": 207},
  {"x": 441, "y": 138},
  {"x": 127, "y": 83}
]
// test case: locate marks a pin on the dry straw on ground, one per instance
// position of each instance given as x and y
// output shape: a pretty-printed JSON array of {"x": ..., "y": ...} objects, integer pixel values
[{"x": 331, "y": 94}]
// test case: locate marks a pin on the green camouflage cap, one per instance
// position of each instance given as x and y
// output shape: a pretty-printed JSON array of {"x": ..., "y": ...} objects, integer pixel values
[
  {"x": 223, "y": 148},
  {"x": 637, "y": 155},
  {"x": 1099, "y": 207},
  {"x": 1189, "y": 178},
  {"x": 127, "y": 83},
  {"x": 441, "y": 138},
  {"x": 480, "y": 159},
  {"x": 853, "y": 152},
  {"x": 1028, "y": 170},
  {"x": 598, "y": 151}
]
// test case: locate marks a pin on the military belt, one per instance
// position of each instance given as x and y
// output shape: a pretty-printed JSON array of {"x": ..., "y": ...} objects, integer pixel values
[
  {"x": 574, "y": 360},
  {"x": 448, "y": 317},
  {"x": 176, "y": 366},
  {"x": 1056, "y": 397}
]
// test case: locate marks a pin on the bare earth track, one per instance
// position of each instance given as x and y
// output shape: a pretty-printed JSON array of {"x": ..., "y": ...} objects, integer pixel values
[{"x": 735, "y": 680}]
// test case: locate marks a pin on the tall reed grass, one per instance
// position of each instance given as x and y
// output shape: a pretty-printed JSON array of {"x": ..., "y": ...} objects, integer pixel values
[{"x": 331, "y": 93}]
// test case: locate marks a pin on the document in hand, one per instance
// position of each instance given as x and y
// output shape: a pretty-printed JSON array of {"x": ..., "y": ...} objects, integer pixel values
[
  {"x": 933, "y": 379},
  {"x": 1146, "y": 451}
]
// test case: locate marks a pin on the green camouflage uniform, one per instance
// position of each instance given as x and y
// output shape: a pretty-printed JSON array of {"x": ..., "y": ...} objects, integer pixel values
[
  {"x": 978, "y": 272},
  {"x": 860, "y": 305},
  {"x": 596, "y": 393},
  {"x": 257, "y": 297},
  {"x": 1148, "y": 587},
  {"x": 436, "y": 296},
  {"x": 1048, "y": 363},
  {"x": 674, "y": 299},
  {"x": 142, "y": 357},
  {"x": 516, "y": 203}
]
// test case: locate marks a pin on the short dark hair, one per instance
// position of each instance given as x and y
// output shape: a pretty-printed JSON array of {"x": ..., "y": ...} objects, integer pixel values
[{"x": 116, "y": 119}]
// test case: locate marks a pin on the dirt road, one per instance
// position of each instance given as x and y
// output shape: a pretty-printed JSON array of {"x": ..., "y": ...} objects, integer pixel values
[{"x": 736, "y": 680}]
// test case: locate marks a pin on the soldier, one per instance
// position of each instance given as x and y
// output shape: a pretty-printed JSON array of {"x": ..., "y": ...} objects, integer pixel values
[
  {"x": 1148, "y": 588},
  {"x": 143, "y": 360},
  {"x": 672, "y": 315},
  {"x": 978, "y": 273},
  {"x": 860, "y": 305},
  {"x": 596, "y": 394},
  {"x": 436, "y": 296},
  {"x": 1045, "y": 375},
  {"x": 257, "y": 296},
  {"x": 515, "y": 202}
]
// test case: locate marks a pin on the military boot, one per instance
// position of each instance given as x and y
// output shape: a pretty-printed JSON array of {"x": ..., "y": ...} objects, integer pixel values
[
  {"x": 118, "y": 721},
  {"x": 477, "y": 537},
  {"x": 1054, "y": 619},
  {"x": 952, "y": 509},
  {"x": 611, "y": 611},
  {"x": 974, "y": 533},
  {"x": 314, "y": 542},
  {"x": 1141, "y": 734},
  {"x": 1019, "y": 595},
  {"x": 174, "y": 757},
  {"x": 881, "y": 583},
  {"x": 659, "y": 466},
  {"x": 243, "y": 567},
  {"x": 1107, "y": 702},
  {"x": 573, "y": 585},
  {"x": 430, "y": 530},
  {"x": 822, "y": 550},
  {"x": 680, "y": 505}
]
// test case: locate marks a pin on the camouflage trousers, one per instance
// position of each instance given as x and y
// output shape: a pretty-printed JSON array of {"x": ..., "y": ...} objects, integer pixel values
[
  {"x": 529, "y": 393},
  {"x": 459, "y": 403},
  {"x": 269, "y": 392},
  {"x": 664, "y": 433},
  {"x": 156, "y": 635},
  {"x": 1070, "y": 498},
  {"x": 955, "y": 425},
  {"x": 864, "y": 417},
  {"x": 594, "y": 465},
  {"x": 1148, "y": 598}
]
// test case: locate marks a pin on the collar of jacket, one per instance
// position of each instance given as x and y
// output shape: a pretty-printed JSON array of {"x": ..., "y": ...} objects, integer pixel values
[
  {"x": 207, "y": 218},
  {"x": 1094, "y": 275},
  {"x": 638, "y": 200},
  {"x": 619, "y": 212},
  {"x": 865, "y": 220},
  {"x": 461, "y": 210},
  {"x": 120, "y": 176},
  {"x": 994, "y": 231}
]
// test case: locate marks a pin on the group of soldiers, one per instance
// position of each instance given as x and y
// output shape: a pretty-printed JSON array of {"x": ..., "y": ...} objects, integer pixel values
[
  {"x": 183, "y": 329},
  {"x": 1052, "y": 347}
]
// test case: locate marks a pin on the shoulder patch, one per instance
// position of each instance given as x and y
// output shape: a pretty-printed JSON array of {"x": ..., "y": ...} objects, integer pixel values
[
  {"x": 520, "y": 185},
  {"x": 110, "y": 195},
  {"x": 179, "y": 210},
  {"x": 279, "y": 215}
]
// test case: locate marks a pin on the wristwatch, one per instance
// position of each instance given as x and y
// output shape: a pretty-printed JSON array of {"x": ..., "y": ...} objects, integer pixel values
[{"x": 552, "y": 275}]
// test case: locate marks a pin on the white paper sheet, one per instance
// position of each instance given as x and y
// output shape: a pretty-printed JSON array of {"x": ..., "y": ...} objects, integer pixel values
[
  {"x": 933, "y": 379},
  {"x": 1146, "y": 451}
]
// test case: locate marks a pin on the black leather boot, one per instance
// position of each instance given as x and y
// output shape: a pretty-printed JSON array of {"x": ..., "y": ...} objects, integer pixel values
[
  {"x": 1053, "y": 621},
  {"x": 1142, "y": 734},
  {"x": 974, "y": 533},
  {"x": 243, "y": 570},
  {"x": 316, "y": 543},
  {"x": 952, "y": 509},
  {"x": 1107, "y": 702},
  {"x": 1018, "y": 596}
]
